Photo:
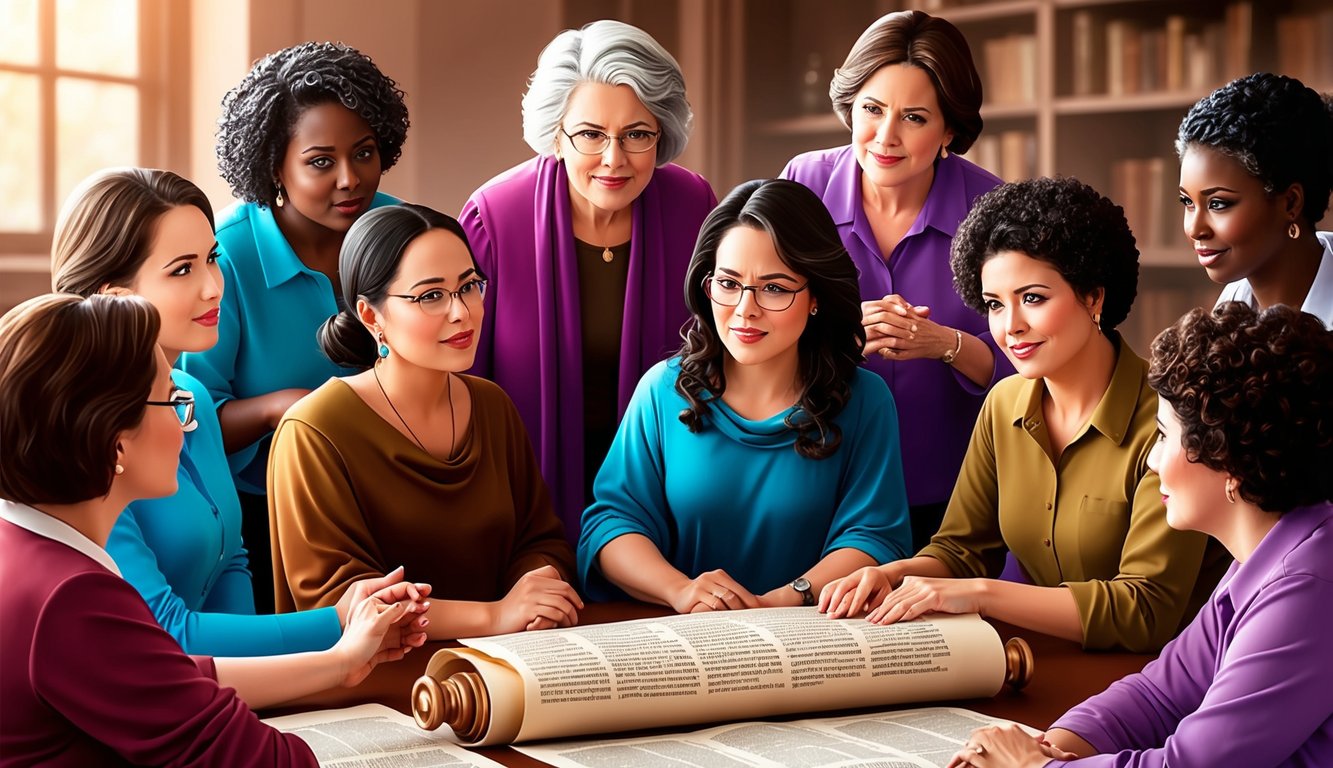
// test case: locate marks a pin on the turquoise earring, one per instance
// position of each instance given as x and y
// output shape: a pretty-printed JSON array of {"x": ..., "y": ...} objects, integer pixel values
[{"x": 383, "y": 349}]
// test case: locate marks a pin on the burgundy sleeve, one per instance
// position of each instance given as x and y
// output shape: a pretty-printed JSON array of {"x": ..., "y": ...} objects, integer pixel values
[{"x": 101, "y": 660}]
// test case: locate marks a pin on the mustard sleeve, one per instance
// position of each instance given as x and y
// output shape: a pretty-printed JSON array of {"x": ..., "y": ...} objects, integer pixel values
[{"x": 969, "y": 542}]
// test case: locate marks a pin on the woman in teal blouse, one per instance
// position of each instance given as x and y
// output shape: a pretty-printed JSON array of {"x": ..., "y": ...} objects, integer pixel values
[
  {"x": 151, "y": 232},
  {"x": 303, "y": 141},
  {"x": 761, "y": 462}
]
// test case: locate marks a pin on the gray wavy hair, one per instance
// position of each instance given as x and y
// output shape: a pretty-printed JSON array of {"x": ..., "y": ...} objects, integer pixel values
[{"x": 612, "y": 53}]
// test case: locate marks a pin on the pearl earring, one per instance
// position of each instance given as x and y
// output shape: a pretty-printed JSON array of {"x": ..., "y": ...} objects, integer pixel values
[{"x": 120, "y": 470}]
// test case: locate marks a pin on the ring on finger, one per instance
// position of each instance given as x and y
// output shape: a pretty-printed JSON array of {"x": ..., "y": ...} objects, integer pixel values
[{"x": 980, "y": 750}]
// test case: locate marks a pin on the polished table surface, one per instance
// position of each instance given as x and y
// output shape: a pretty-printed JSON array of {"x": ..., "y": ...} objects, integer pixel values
[{"x": 1063, "y": 675}]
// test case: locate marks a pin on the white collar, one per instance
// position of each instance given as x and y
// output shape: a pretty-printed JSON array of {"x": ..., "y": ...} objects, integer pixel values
[{"x": 44, "y": 525}]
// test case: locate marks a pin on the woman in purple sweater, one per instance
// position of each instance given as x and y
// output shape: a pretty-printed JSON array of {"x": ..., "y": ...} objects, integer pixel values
[
  {"x": 1245, "y": 416},
  {"x": 90, "y": 421}
]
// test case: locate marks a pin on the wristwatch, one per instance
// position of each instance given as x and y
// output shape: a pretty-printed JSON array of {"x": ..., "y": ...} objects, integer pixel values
[{"x": 802, "y": 587}]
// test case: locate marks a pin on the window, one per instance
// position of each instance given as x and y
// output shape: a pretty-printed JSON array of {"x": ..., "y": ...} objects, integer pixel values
[{"x": 81, "y": 88}]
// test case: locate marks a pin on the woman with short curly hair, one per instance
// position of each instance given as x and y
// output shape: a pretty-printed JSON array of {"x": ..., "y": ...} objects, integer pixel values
[
  {"x": 303, "y": 141},
  {"x": 761, "y": 462},
  {"x": 1256, "y": 166},
  {"x": 1056, "y": 472},
  {"x": 586, "y": 245},
  {"x": 1245, "y": 442}
]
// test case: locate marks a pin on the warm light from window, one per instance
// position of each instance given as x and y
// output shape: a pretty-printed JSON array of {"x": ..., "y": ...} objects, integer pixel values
[{"x": 99, "y": 36}]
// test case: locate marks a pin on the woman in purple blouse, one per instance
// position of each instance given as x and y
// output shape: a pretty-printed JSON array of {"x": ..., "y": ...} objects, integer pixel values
[
  {"x": 586, "y": 246},
  {"x": 1246, "y": 441},
  {"x": 911, "y": 96}
]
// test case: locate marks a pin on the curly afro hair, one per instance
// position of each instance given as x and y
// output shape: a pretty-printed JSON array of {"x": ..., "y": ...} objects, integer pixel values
[
  {"x": 1280, "y": 131},
  {"x": 1254, "y": 395},
  {"x": 1063, "y": 222},
  {"x": 258, "y": 115}
]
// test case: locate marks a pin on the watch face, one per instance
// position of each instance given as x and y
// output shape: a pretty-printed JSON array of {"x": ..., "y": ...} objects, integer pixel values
[{"x": 801, "y": 585}]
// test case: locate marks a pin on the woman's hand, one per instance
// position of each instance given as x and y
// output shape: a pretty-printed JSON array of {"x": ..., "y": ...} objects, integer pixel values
[
  {"x": 364, "y": 588},
  {"x": 919, "y": 595},
  {"x": 1007, "y": 746},
  {"x": 540, "y": 599},
  {"x": 712, "y": 591},
  {"x": 898, "y": 330},
  {"x": 855, "y": 593},
  {"x": 363, "y": 643}
]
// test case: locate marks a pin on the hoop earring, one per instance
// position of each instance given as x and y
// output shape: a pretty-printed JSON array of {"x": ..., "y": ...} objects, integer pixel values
[
  {"x": 814, "y": 311},
  {"x": 1231, "y": 492},
  {"x": 277, "y": 200},
  {"x": 1293, "y": 230},
  {"x": 383, "y": 349}
]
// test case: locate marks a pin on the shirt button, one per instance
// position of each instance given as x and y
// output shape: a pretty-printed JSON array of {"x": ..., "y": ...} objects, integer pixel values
[
  {"x": 1048, "y": 506},
  {"x": 1047, "y": 542}
]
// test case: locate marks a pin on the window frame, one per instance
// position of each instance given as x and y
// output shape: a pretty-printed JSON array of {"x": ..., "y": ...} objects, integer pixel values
[{"x": 162, "y": 78}]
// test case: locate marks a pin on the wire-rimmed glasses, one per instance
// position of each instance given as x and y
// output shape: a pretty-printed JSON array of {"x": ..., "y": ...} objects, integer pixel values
[
  {"x": 772, "y": 297},
  {"x": 589, "y": 141},
  {"x": 437, "y": 301}
]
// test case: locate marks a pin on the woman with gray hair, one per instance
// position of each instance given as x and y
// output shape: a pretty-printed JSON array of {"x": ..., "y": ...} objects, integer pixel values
[{"x": 586, "y": 246}]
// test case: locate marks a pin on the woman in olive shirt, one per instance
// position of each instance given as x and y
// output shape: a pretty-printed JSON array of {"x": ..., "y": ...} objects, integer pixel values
[{"x": 1056, "y": 471}]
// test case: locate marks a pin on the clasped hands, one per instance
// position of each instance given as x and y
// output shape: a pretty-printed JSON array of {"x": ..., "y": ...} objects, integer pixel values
[
  {"x": 896, "y": 329},
  {"x": 383, "y": 619},
  {"x": 869, "y": 591}
]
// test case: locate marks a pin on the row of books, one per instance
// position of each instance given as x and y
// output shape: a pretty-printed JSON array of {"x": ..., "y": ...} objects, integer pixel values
[
  {"x": 1120, "y": 56},
  {"x": 1305, "y": 47},
  {"x": 1009, "y": 69},
  {"x": 1146, "y": 189},
  {"x": 1011, "y": 155}
]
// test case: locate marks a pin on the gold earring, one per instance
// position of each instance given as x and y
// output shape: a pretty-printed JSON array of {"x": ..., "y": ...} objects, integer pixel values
[
  {"x": 278, "y": 201},
  {"x": 1231, "y": 492},
  {"x": 1097, "y": 321},
  {"x": 1293, "y": 230},
  {"x": 944, "y": 152},
  {"x": 120, "y": 470}
]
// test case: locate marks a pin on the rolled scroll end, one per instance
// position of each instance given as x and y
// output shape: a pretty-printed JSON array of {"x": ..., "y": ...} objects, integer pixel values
[
  {"x": 452, "y": 694},
  {"x": 1019, "y": 663}
]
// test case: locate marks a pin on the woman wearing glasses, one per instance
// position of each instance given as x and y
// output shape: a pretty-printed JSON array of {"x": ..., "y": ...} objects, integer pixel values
[
  {"x": 586, "y": 245},
  {"x": 411, "y": 462},
  {"x": 761, "y": 462},
  {"x": 87, "y": 677},
  {"x": 150, "y": 233}
]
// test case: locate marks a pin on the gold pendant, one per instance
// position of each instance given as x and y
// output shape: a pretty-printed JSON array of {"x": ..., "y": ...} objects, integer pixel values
[{"x": 607, "y": 255}]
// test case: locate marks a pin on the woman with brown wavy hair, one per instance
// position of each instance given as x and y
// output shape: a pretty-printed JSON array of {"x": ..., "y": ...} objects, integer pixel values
[
  {"x": 1245, "y": 442},
  {"x": 761, "y": 462}
]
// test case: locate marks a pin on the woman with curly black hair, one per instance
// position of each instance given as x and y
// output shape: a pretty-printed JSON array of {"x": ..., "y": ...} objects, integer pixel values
[
  {"x": 1256, "y": 165},
  {"x": 1245, "y": 420},
  {"x": 761, "y": 462},
  {"x": 303, "y": 141},
  {"x": 1056, "y": 472}
]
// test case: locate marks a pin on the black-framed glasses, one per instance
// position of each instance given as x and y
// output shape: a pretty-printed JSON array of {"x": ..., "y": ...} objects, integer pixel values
[
  {"x": 182, "y": 402},
  {"x": 772, "y": 297},
  {"x": 437, "y": 301},
  {"x": 589, "y": 141}
]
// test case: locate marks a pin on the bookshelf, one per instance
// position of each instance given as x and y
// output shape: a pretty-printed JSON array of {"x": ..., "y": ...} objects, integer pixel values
[{"x": 1088, "y": 88}]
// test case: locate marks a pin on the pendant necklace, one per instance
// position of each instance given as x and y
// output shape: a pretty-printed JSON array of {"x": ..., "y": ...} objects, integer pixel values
[
  {"x": 449, "y": 393},
  {"x": 607, "y": 255}
]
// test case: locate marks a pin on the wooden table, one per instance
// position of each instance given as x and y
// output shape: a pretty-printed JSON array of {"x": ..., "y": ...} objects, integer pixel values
[{"x": 1063, "y": 676}]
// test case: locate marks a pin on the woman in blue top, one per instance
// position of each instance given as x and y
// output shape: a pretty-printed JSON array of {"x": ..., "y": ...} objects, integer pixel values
[
  {"x": 151, "y": 233},
  {"x": 761, "y": 462},
  {"x": 303, "y": 141}
]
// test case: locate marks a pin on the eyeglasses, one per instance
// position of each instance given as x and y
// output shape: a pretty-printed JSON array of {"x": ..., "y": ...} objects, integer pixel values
[
  {"x": 182, "y": 401},
  {"x": 437, "y": 301},
  {"x": 770, "y": 296},
  {"x": 591, "y": 142}
]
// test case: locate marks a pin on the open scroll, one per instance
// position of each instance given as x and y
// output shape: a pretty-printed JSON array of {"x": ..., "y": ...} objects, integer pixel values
[{"x": 683, "y": 670}]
